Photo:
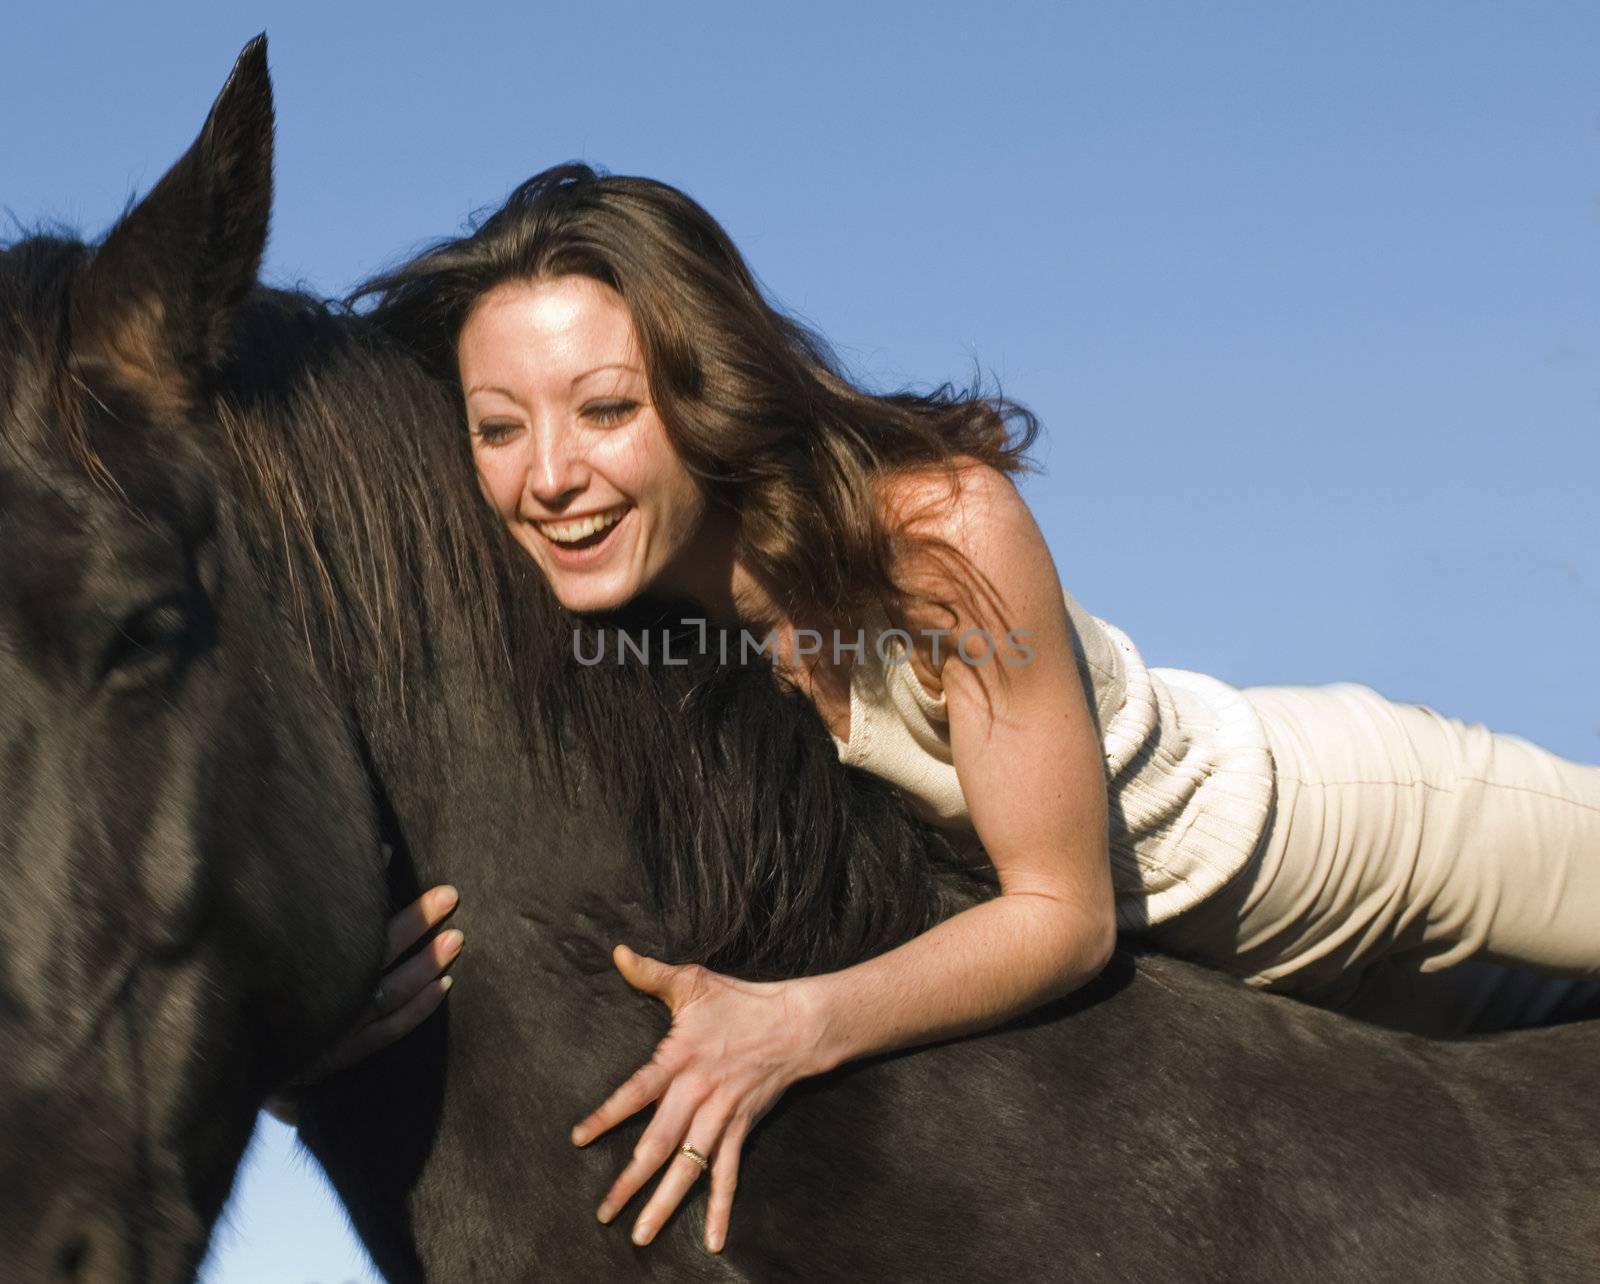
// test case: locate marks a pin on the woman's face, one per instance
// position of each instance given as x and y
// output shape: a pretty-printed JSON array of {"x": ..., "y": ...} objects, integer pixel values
[{"x": 568, "y": 447}]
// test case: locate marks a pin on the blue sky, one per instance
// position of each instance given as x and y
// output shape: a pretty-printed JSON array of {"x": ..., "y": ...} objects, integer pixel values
[{"x": 1306, "y": 295}]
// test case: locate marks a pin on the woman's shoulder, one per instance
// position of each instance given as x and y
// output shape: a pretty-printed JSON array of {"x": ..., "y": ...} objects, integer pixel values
[
  {"x": 976, "y": 510},
  {"x": 930, "y": 493},
  {"x": 973, "y": 508}
]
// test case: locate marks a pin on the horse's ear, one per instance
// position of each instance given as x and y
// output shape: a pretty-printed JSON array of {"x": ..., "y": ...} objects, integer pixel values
[{"x": 154, "y": 309}]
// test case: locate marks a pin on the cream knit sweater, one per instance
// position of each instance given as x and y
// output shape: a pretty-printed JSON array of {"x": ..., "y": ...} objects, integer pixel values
[{"x": 1189, "y": 774}]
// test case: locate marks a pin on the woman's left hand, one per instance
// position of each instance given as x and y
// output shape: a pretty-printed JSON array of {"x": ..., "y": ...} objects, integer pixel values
[
  {"x": 406, "y": 996},
  {"x": 733, "y": 1049}
]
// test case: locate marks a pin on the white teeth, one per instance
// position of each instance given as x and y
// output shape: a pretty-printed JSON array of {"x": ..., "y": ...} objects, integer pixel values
[{"x": 572, "y": 532}]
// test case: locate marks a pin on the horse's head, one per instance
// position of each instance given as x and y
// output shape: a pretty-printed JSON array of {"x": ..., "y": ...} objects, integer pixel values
[{"x": 191, "y": 889}]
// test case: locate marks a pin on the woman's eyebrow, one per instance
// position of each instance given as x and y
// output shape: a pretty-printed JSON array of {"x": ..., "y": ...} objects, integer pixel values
[
  {"x": 491, "y": 387},
  {"x": 612, "y": 365}
]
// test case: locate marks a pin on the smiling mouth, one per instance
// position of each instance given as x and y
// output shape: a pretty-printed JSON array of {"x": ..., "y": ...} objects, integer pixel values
[{"x": 586, "y": 532}]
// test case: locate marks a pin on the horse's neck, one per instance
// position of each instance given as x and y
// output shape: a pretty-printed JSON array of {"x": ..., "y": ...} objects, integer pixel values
[{"x": 538, "y": 1029}]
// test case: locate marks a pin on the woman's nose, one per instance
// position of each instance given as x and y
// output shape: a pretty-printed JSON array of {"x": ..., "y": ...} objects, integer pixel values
[{"x": 556, "y": 467}]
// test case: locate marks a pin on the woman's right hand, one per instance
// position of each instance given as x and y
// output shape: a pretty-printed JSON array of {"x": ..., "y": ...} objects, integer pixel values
[{"x": 406, "y": 994}]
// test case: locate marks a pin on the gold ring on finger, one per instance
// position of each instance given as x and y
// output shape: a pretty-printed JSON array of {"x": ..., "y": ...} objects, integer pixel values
[{"x": 687, "y": 1149}]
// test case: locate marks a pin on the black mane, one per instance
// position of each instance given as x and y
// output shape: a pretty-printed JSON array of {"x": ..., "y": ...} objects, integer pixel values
[{"x": 354, "y": 463}]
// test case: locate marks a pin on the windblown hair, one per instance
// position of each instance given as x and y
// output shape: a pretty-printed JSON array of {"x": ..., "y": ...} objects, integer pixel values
[{"x": 755, "y": 403}]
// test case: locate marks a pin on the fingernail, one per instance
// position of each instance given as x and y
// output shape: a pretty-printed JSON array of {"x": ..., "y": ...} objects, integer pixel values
[
  {"x": 714, "y": 1243},
  {"x": 605, "y": 1213},
  {"x": 642, "y": 1233},
  {"x": 579, "y": 1137},
  {"x": 452, "y": 940},
  {"x": 445, "y": 982},
  {"x": 448, "y": 896}
]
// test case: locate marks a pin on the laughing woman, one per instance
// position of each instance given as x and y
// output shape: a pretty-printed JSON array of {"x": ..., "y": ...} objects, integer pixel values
[{"x": 644, "y": 420}]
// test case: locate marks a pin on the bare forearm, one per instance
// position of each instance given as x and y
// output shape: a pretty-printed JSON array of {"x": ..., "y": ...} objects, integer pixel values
[{"x": 985, "y": 965}]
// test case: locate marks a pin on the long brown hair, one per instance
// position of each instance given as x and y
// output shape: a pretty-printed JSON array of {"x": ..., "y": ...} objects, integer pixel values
[{"x": 756, "y": 403}]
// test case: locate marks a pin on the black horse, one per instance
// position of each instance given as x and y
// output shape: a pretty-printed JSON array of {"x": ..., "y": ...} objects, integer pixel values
[{"x": 254, "y": 622}]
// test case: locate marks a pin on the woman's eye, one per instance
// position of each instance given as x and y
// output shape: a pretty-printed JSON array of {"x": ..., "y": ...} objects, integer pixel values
[
  {"x": 495, "y": 432},
  {"x": 610, "y": 412}
]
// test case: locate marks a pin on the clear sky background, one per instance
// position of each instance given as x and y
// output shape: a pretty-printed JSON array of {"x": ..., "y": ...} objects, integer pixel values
[{"x": 1306, "y": 295}]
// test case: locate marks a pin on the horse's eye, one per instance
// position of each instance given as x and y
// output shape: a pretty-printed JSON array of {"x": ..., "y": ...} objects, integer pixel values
[{"x": 147, "y": 642}]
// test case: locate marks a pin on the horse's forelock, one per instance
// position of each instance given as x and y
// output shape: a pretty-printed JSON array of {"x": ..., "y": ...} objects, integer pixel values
[{"x": 54, "y": 423}]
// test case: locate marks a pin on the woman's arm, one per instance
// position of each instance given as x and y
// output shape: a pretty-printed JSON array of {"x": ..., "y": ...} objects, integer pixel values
[
  {"x": 973, "y": 971},
  {"x": 1032, "y": 769},
  {"x": 1030, "y": 764}
]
